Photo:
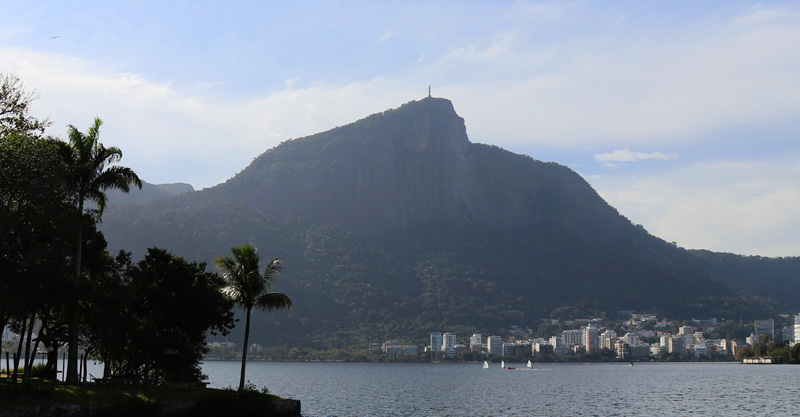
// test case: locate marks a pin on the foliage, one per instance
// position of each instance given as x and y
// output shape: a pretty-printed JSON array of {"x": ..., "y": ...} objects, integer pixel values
[
  {"x": 34, "y": 210},
  {"x": 140, "y": 401},
  {"x": 242, "y": 403},
  {"x": 91, "y": 171},
  {"x": 744, "y": 352},
  {"x": 37, "y": 229},
  {"x": 246, "y": 287},
  {"x": 92, "y": 166},
  {"x": 780, "y": 352},
  {"x": 761, "y": 343},
  {"x": 15, "y": 107},
  {"x": 149, "y": 320},
  {"x": 352, "y": 290}
]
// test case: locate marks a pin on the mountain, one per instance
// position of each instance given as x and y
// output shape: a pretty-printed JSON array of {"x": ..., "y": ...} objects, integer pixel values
[
  {"x": 397, "y": 225},
  {"x": 148, "y": 193}
]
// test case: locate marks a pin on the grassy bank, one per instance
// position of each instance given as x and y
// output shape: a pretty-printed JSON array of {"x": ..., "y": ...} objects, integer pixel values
[{"x": 39, "y": 397}]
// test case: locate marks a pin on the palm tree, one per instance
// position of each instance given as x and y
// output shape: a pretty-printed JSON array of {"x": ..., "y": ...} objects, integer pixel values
[
  {"x": 247, "y": 288},
  {"x": 90, "y": 164}
]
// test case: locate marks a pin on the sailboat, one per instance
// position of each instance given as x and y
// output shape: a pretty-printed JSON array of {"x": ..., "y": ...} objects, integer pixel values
[
  {"x": 503, "y": 364},
  {"x": 485, "y": 365},
  {"x": 530, "y": 365}
]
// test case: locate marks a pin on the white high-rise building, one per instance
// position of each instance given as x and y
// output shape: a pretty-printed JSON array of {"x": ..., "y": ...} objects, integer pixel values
[
  {"x": 675, "y": 345},
  {"x": 797, "y": 328},
  {"x": 607, "y": 339},
  {"x": 495, "y": 345},
  {"x": 436, "y": 342},
  {"x": 698, "y": 338},
  {"x": 475, "y": 343},
  {"x": 631, "y": 338}
]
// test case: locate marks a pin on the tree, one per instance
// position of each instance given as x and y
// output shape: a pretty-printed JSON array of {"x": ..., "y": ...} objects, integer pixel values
[
  {"x": 794, "y": 354},
  {"x": 15, "y": 105},
  {"x": 761, "y": 343},
  {"x": 149, "y": 320},
  {"x": 779, "y": 351},
  {"x": 35, "y": 214},
  {"x": 91, "y": 174},
  {"x": 247, "y": 288},
  {"x": 744, "y": 352}
]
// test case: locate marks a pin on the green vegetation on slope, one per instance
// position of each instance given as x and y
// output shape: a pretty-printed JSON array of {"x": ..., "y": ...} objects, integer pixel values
[{"x": 395, "y": 226}]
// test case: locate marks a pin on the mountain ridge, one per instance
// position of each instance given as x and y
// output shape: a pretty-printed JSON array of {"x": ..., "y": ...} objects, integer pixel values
[
  {"x": 398, "y": 223},
  {"x": 412, "y": 164}
]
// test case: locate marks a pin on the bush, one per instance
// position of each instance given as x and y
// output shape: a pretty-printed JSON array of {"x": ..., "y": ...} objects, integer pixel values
[{"x": 232, "y": 403}]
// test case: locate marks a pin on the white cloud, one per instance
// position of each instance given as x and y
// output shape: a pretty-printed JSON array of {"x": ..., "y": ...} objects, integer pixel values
[
  {"x": 386, "y": 35},
  {"x": 673, "y": 86},
  {"x": 500, "y": 51},
  {"x": 290, "y": 83},
  {"x": 621, "y": 156},
  {"x": 169, "y": 136},
  {"x": 745, "y": 207}
]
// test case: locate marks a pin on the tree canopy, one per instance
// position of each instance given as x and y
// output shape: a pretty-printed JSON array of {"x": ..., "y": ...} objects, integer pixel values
[
  {"x": 15, "y": 108},
  {"x": 147, "y": 319}
]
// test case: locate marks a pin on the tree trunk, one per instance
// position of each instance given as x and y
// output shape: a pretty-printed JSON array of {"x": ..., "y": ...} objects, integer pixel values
[
  {"x": 19, "y": 347},
  {"x": 51, "y": 369},
  {"x": 30, "y": 355},
  {"x": 244, "y": 349},
  {"x": 72, "y": 353},
  {"x": 38, "y": 342},
  {"x": 3, "y": 323}
]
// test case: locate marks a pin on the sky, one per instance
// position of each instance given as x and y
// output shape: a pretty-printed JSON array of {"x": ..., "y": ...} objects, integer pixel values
[{"x": 684, "y": 116}]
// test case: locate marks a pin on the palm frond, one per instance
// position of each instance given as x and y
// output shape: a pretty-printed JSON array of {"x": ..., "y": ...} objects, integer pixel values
[
  {"x": 273, "y": 301},
  {"x": 91, "y": 163},
  {"x": 272, "y": 272}
]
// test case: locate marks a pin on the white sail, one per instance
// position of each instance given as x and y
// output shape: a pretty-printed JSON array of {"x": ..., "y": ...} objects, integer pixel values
[
  {"x": 503, "y": 364},
  {"x": 485, "y": 365},
  {"x": 530, "y": 365}
]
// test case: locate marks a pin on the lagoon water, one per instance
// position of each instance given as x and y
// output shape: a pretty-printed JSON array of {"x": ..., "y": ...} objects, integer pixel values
[{"x": 440, "y": 389}]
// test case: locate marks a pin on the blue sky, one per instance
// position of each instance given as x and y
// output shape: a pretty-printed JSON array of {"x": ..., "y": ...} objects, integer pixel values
[{"x": 682, "y": 115}]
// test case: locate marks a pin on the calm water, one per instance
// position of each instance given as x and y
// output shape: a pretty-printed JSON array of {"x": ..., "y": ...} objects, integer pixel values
[{"x": 667, "y": 389}]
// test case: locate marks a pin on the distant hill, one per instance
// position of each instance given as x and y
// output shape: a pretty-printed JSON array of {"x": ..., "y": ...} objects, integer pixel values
[
  {"x": 148, "y": 193},
  {"x": 397, "y": 225}
]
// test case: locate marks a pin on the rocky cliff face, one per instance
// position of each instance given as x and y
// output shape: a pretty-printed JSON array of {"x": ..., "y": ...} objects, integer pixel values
[
  {"x": 394, "y": 169},
  {"x": 407, "y": 166}
]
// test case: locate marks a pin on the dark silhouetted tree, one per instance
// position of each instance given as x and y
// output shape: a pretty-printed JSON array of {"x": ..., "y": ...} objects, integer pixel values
[
  {"x": 248, "y": 288},
  {"x": 91, "y": 173}
]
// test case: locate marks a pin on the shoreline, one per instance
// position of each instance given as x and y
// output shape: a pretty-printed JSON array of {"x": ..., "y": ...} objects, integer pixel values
[{"x": 45, "y": 398}]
